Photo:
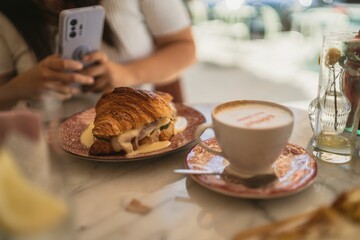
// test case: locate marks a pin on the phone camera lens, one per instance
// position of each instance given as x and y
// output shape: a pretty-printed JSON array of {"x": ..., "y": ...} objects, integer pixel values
[
  {"x": 72, "y": 34},
  {"x": 73, "y": 22}
]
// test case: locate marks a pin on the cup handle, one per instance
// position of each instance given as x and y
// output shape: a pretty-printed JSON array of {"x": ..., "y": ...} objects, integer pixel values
[{"x": 199, "y": 131}]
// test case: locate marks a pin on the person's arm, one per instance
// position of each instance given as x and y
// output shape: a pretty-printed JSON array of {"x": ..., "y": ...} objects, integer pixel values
[
  {"x": 51, "y": 74},
  {"x": 174, "y": 52},
  {"x": 6, "y": 98}
]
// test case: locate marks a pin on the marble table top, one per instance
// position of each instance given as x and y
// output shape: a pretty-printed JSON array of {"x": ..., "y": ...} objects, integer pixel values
[{"x": 180, "y": 207}]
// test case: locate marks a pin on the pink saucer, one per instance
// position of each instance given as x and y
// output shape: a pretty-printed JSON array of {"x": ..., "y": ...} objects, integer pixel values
[{"x": 295, "y": 170}]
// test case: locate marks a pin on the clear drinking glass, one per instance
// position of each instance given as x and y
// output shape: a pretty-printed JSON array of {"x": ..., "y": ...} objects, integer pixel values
[
  {"x": 33, "y": 181},
  {"x": 334, "y": 114}
]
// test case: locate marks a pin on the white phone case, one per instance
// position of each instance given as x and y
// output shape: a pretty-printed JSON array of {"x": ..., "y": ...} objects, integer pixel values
[{"x": 80, "y": 31}]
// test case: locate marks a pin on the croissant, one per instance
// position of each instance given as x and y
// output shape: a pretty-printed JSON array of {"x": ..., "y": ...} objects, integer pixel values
[{"x": 128, "y": 117}]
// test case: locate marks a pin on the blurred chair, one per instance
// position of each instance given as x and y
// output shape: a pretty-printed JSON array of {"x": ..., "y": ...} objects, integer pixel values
[
  {"x": 235, "y": 22},
  {"x": 314, "y": 22},
  {"x": 251, "y": 17},
  {"x": 239, "y": 31},
  {"x": 242, "y": 14},
  {"x": 174, "y": 88},
  {"x": 198, "y": 10},
  {"x": 272, "y": 21}
]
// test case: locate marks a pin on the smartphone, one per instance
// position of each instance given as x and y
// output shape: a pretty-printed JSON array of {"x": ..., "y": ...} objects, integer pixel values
[{"x": 80, "y": 31}]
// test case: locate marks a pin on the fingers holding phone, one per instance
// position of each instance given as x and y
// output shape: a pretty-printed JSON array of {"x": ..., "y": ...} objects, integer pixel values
[
  {"x": 52, "y": 73},
  {"x": 64, "y": 70},
  {"x": 98, "y": 68},
  {"x": 59, "y": 75}
]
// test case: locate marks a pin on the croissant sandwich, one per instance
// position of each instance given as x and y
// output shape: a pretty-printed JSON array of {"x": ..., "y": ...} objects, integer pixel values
[{"x": 127, "y": 117}]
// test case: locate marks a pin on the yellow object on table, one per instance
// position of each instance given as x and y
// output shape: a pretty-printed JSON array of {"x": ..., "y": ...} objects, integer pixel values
[{"x": 24, "y": 207}]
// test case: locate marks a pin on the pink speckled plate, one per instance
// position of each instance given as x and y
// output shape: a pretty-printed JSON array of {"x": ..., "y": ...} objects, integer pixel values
[
  {"x": 295, "y": 170},
  {"x": 72, "y": 128}
]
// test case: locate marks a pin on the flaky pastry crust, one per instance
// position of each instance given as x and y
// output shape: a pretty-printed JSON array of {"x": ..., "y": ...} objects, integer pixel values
[{"x": 127, "y": 108}]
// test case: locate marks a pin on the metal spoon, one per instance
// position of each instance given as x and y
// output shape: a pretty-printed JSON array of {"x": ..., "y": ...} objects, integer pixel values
[{"x": 255, "y": 181}]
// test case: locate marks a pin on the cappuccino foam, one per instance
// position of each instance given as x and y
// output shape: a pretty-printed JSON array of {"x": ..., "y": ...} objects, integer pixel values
[{"x": 254, "y": 115}]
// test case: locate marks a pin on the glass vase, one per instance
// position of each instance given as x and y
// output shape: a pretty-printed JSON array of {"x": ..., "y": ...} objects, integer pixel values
[{"x": 333, "y": 114}]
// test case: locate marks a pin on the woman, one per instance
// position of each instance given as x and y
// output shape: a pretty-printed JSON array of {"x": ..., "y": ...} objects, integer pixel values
[{"x": 144, "y": 41}]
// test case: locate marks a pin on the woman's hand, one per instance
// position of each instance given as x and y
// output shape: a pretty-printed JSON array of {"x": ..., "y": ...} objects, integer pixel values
[
  {"x": 57, "y": 75},
  {"x": 106, "y": 73},
  {"x": 52, "y": 74}
]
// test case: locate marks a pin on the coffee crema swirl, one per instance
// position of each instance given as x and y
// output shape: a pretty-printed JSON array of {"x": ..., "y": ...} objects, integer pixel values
[{"x": 254, "y": 115}]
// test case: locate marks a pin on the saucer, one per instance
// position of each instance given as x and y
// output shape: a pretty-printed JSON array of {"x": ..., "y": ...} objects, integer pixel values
[{"x": 295, "y": 169}]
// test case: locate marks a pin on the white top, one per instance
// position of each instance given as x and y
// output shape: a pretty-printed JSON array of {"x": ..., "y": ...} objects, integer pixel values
[{"x": 134, "y": 22}]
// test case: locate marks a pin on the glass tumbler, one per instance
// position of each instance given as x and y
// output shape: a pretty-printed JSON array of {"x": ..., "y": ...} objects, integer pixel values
[{"x": 334, "y": 113}]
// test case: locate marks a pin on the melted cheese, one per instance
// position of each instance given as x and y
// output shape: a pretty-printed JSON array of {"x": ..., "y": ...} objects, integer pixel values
[
  {"x": 180, "y": 124},
  {"x": 123, "y": 141},
  {"x": 163, "y": 122},
  {"x": 87, "y": 138},
  {"x": 150, "y": 147}
]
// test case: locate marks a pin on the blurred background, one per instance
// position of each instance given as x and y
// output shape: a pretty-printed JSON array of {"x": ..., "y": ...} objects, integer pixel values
[{"x": 262, "y": 49}]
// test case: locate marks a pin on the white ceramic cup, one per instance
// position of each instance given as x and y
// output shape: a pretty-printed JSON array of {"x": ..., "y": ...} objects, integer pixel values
[{"x": 252, "y": 134}]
